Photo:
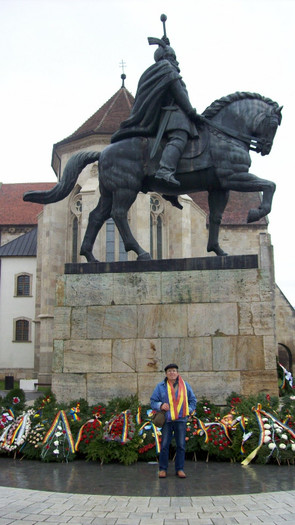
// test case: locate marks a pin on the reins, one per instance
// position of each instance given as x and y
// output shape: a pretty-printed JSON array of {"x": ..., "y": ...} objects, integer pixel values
[{"x": 253, "y": 143}]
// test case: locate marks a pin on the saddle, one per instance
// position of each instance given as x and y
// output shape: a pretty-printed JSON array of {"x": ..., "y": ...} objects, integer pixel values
[{"x": 188, "y": 162}]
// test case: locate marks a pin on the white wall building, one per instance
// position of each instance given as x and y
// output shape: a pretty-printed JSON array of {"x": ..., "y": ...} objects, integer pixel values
[{"x": 17, "y": 305}]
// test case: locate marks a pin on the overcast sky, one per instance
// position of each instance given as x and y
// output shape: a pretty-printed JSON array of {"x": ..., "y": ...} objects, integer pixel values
[{"x": 59, "y": 62}]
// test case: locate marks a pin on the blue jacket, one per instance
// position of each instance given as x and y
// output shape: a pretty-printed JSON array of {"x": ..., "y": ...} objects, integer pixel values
[{"x": 160, "y": 396}]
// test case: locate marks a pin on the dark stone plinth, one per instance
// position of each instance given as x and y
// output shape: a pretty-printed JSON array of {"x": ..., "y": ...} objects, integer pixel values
[{"x": 233, "y": 262}]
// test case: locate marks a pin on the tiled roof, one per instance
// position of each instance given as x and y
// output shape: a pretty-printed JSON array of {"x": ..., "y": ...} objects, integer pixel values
[
  {"x": 108, "y": 118},
  {"x": 13, "y": 210},
  {"x": 24, "y": 246},
  {"x": 105, "y": 121},
  {"x": 237, "y": 207}
]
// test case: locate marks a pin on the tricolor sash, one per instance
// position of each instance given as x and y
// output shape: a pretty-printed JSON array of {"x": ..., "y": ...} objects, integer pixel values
[{"x": 178, "y": 405}]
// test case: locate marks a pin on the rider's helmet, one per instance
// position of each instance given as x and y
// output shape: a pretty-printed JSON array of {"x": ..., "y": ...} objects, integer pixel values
[{"x": 164, "y": 50}]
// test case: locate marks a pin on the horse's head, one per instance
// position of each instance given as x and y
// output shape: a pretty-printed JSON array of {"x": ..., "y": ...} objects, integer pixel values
[
  {"x": 250, "y": 117},
  {"x": 266, "y": 126}
]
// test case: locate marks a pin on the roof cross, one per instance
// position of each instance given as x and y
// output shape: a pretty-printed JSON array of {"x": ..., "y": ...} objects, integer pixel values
[{"x": 123, "y": 76}]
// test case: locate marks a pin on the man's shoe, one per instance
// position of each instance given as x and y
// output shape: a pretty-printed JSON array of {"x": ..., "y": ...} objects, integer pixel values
[
  {"x": 162, "y": 474},
  {"x": 180, "y": 474},
  {"x": 167, "y": 177}
]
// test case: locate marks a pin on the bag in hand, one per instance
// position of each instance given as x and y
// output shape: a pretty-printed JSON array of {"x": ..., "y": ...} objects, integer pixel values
[{"x": 159, "y": 418}]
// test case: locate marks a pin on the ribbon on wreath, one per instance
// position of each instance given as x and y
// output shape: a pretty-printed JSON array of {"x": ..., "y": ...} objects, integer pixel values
[
  {"x": 147, "y": 425},
  {"x": 125, "y": 427},
  {"x": 80, "y": 433},
  {"x": 252, "y": 455},
  {"x": 278, "y": 422},
  {"x": 17, "y": 434},
  {"x": 61, "y": 418},
  {"x": 202, "y": 430},
  {"x": 16, "y": 431},
  {"x": 138, "y": 416},
  {"x": 287, "y": 376},
  {"x": 259, "y": 413},
  {"x": 3, "y": 437},
  {"x": 75, "y": 411}
]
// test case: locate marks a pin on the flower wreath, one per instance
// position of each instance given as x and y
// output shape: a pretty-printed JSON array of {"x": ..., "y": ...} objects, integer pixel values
[
  {"x": 120, "y": 428},
  {"x": 15, "y": 434}
]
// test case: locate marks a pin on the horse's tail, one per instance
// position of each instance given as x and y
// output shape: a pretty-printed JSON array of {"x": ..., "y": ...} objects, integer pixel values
[{"x": 63, "y": 188}]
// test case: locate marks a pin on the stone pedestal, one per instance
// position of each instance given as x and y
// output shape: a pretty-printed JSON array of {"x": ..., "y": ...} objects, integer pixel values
[{"x": 117, "y": 329}]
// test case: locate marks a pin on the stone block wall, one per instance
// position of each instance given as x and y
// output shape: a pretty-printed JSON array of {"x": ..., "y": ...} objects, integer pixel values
[{"x": 115, "y": 332}]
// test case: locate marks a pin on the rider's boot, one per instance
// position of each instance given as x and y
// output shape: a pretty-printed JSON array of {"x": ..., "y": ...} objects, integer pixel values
[{"x": 170, "y": 157}]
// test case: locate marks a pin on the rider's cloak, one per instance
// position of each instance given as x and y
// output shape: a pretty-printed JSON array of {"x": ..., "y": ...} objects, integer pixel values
[{"x": 152, "y": 94}]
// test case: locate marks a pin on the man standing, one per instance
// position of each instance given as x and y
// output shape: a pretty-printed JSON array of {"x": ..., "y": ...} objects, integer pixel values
[{"x": 177, "y": 399}]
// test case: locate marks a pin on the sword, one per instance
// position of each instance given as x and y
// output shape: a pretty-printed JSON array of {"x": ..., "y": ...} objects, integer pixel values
[{"x": 168, "y": 110}]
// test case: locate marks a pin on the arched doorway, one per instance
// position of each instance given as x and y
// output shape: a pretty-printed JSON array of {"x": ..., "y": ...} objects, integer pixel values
[{"x": 285, "y": 357}]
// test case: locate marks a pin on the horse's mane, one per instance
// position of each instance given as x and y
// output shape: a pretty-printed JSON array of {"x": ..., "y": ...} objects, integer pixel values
[{"x": 217, "y": 105}]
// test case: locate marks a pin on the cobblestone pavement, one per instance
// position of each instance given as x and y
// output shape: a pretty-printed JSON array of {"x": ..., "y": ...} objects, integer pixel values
[
  {"x": 28, "y": 507},
  {"x": 33, "y": 492}
]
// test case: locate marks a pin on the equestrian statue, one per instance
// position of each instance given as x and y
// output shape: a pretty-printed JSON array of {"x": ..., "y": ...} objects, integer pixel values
[{"x": 165, "y": 146}]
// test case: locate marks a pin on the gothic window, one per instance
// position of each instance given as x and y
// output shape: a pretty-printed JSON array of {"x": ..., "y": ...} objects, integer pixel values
[
  {"x": 22, "y": 330},
  {"x": 115, "y": 249},
  {"x": 110, "y": 240},
  {"x": 23, "y": 285},
  {"x": 156, "y": 226},
  {"x": 122, "y": 252},
  {"x": 76, "y": 209},
  {"x": 74, "y": 240}
]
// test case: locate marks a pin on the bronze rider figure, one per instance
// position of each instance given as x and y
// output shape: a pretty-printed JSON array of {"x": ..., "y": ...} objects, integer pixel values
[{"x": 162, "y": 109}]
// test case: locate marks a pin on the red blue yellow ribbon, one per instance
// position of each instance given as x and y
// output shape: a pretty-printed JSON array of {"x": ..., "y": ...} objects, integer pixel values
[
  {"x": 125, "y": 427},
  {"x": 61, "y": 418},
  {"x": 79, "y": 436},
  {"x": 74, "y": 412},
  {"x": 155, "y": 434}
]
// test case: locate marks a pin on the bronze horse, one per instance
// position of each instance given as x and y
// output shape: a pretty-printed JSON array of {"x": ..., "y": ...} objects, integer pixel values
[{"x": 228, "y": 129}]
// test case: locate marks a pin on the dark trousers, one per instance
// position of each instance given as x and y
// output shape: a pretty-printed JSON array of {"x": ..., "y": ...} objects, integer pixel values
[{"x": 178, "y": 429}]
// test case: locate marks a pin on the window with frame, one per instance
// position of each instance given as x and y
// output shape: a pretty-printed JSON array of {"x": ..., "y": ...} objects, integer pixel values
[
  {"x": 76, "y": 213},
  {"x": 115, "y": 249},
  {"x": 156, "y": 226},
  {"x": 22, "y": 330},
  {"x": 23, "y": 285}
]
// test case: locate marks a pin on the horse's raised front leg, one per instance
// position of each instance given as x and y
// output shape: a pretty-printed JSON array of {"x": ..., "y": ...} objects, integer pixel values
[
  {"x": 217, "y": 200},
  {"x": 97, "y": 218},
  {"x": 247, "y": 182},
  {"x": 122, "y": 200}
]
